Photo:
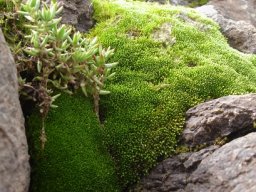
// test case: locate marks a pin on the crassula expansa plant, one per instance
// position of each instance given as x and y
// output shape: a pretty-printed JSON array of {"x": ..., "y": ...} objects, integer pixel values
[{"x": 60, "y": 58}]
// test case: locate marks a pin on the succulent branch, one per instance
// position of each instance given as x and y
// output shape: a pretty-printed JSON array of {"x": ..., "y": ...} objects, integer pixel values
[{"x": 61, "y": 58}]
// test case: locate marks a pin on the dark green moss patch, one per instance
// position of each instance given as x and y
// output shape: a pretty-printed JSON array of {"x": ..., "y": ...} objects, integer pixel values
[{"x": 74, "y": 158}]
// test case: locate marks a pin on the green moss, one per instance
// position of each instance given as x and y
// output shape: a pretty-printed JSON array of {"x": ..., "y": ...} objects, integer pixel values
[
  {"x": 74, "y": 158},
  {"x": 198, "y": 3},
  {"x": 157, "y": 82}
]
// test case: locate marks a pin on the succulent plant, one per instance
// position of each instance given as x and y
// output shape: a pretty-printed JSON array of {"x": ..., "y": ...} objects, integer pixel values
[{"x": 61, "y": 58}]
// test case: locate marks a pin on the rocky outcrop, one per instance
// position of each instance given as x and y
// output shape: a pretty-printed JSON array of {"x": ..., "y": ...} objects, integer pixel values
[
  {"x": 14, "y": 159},
  {"x": 223, "y": 117},
  {"x": 237, "y": 21},
  {"x": 228, "y": 168},
  {"x": 78, "y": 13}
]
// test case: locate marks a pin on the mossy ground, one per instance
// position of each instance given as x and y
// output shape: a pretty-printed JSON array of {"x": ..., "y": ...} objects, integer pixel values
[
  {"x": 74, "y": 158},
  {"x": 158, "y": 81}
]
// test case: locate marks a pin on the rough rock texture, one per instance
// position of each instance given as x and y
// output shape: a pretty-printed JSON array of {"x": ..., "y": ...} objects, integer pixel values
[
  {"x": 230, "y": 168},
  {"x": 78, "y": 13},
  {"x": 237, "y": 10},
  {"x": 226, "y": 116},
  {"x": 237, "y": 21},
  {"x": 14, "y": 159},
  {"x": 172, "y": 173}
]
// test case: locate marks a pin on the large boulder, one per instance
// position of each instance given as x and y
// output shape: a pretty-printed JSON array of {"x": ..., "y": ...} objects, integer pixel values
[
  {"x": 237, "y": 21},
  {"x": 228, "y": 168},
  {"x": 224, "y": 117},
  {"x": 14, "y": 158}
]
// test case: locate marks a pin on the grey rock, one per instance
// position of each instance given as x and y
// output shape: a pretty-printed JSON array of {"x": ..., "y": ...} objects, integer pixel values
[
  {"x": 237, "y": 21},
  {"x": 237, "y": 10},
  {"x": 14, "y": 158},
  {"x": 228, "y": 116},
  {"x": 172, "y": 174},
  {"x": 229, "y": 168},
  {"x": 78, "y": 13}
]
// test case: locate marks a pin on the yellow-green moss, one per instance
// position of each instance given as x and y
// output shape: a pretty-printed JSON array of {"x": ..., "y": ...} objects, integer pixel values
[{"x": 143, "y": 121}]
